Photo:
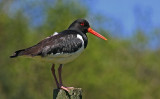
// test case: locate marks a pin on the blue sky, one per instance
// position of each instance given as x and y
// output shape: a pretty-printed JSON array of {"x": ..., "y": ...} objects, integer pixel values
[
  {"x": 124, "y": 11},
  {"x": 125, "y": 15}
]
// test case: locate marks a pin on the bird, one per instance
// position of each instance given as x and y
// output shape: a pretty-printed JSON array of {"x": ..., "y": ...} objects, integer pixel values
[{"x": 61, "y": 48}]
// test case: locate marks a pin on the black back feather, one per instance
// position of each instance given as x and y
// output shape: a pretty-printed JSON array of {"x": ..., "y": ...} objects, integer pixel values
[{"x": 64, "y": 42}]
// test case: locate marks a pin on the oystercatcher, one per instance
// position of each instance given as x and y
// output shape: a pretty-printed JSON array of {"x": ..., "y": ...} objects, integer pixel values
[{"x": 62, "y": 47}]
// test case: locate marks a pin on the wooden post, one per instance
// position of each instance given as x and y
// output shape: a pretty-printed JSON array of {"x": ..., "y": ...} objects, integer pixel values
[{"x": 75, "y": 93}]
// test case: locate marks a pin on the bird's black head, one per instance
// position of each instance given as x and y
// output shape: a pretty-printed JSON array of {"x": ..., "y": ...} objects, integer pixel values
[
  {"x": 80, "y": 25},
  {"x": 83, "y": 26}
]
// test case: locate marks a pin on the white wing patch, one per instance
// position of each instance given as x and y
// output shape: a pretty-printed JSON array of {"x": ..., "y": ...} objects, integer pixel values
[
  {"x": 82, "y": 48},
  {"x": 55, "y": 33},
  {"x": 80, "y": 37}
]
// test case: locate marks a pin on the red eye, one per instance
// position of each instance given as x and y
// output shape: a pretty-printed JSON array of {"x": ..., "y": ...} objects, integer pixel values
[{"x": 82, "y": 24}]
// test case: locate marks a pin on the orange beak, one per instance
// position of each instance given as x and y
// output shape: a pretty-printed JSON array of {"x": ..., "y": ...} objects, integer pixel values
[{"x": 96, "y": 34}]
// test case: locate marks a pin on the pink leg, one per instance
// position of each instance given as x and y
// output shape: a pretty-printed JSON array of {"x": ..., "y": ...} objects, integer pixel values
[
  {"x": 60, "y": 79},
  {"x": 59, "y": 73},
  {"x": 54, "y": 75}
]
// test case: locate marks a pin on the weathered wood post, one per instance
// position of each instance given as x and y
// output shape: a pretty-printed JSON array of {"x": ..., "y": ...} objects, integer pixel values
[{"x": 75, "y": 93}]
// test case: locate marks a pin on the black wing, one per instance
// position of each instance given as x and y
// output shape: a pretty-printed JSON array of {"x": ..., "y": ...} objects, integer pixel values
[{"x": 64, "y": 42}]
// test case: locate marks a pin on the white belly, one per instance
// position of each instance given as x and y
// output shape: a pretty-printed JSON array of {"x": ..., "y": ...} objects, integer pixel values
[{"x": 62, "y": 58}]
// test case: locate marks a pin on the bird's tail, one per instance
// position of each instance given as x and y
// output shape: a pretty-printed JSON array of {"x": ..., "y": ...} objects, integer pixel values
[{"x": 17, "y": 53}]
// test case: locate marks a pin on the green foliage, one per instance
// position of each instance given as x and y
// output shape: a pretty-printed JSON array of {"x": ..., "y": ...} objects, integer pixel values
[{"x": 115, "y": 69}]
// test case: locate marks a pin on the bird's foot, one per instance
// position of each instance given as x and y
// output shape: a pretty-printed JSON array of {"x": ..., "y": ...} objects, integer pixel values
[{"x": 66, "y": 88}]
